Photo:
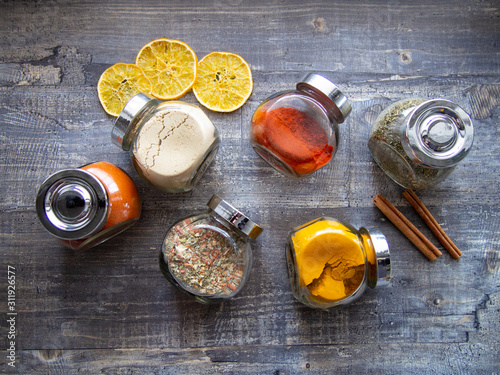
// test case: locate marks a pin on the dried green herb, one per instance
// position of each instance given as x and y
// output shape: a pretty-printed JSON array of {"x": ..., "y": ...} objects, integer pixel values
[{"x": 387, "y": 149}]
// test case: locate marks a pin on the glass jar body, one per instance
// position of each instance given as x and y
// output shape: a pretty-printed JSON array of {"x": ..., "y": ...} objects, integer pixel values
[
  {"x": 206, "y": 258},
  {"x": 330, "y": 263},
  {"x": 173, "y": 145},
  {"x": 386, "y": 146},
  {"x": 121, "y": 205},
  {"x": 293, "y": 132}
]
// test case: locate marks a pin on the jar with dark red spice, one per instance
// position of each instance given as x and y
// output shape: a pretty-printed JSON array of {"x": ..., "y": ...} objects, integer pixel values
[
  {"x": 86, "y": 206},
  {"x": 296, "y": 131}
]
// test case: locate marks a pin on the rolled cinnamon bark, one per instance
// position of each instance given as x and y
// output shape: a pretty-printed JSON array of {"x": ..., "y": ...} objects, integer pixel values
[
  {"x": 407, "y": 228},
  {"x": 431, "y": 222}
]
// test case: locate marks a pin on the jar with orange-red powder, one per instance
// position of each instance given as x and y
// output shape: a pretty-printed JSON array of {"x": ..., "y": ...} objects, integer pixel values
[
  {"x": 296, "y": 131},
  {"x": 86, "y": 206}
]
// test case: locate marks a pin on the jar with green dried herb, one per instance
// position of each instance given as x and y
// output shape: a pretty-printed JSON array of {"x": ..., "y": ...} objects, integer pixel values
[
  {"x": 418, "y": 142},
  {"x": 208, "y": 255}
]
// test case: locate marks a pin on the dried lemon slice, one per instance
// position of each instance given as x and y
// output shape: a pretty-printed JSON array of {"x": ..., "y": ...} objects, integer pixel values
[
  {"x": 118, "y": 84},
  {"x": 223, "y": 82},
  {"x": 170, "y": 65}
]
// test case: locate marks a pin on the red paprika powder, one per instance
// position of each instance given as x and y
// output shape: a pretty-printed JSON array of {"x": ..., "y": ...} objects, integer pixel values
[
  {"x": 294, "y": 136},
  {"x": 296, "y": 131}
]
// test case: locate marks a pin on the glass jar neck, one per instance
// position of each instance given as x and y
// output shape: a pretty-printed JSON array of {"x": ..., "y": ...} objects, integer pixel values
[
  {"x": 377, "y": 256},
  {"x": 327, "y": 93},
  {"x": 138, "y": 108},
  {"x": 236, "y": 220},
  {"x": 333, "y": 112},
  {"x": 370, "y": 259}
]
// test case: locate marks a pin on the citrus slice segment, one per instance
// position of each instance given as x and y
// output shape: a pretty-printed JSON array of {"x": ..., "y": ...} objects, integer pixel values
[
  {"x": 118, "y": 84},
  {"x": 223, "y": 82},
  {"x": 170, "y": 65}
]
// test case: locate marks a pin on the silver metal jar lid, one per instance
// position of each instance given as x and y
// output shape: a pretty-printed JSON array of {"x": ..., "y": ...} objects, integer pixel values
[
  {"x": 438, "y": 133},
  {"x": 139, "y": 106},
  {"x": 72, "y": 204},
  {"x": 234, "y": 217},
  {"x": 382, "y": 254},
  {"x": 329, "y": 92}
]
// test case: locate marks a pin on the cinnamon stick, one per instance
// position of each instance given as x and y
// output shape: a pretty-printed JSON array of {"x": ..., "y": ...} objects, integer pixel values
[
  {"x": 431, "y": 222},
  {"x": 406, "y": 227}
]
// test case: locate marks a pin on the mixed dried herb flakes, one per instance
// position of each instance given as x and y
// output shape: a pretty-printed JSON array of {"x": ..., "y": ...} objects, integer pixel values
[{"x": 202, "y": 259}]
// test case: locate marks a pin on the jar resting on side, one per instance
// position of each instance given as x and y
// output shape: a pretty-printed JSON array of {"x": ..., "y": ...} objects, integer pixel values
[
  {"x": 171, "y": 143},
  {"x": 296, "y": 131},
  {"x": 86, "y": 206},
  {"x": 208, "y": 255},
  {"x": 330, "y": 263},
  {"x": 418, "y": 142}
]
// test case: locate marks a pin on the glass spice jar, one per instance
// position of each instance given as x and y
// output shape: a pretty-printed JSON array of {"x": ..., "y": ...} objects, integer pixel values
[
  {"x": 296, "y": 131},
  {"x": 208, "y": 255},
  {"x": 330, "y": 263},
  {"x": 171, "y": 143},
  {"x": 418, "y": 142},
  {"x": 86, "y": 206}
]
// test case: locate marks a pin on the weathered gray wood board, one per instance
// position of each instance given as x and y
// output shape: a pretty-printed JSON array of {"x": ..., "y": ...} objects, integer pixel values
[{"x": 109, "y": 309}]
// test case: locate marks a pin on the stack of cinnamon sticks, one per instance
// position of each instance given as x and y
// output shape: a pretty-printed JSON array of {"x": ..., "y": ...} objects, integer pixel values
[{"x": 411, "y": 232}]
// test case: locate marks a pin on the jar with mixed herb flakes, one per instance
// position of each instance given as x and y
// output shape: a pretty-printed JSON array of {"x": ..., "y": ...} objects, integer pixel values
[
  {"x": 208, "y": 255},
  {"x": 418, "y": 142},
  {"x": 330, "y": 263}
]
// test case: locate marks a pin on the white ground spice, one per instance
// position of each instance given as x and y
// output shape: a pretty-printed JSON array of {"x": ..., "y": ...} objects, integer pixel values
[{"x": 172, "y": 144}]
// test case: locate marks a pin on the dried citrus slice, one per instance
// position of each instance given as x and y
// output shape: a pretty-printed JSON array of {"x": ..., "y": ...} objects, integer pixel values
[
  {"x": 170, "y": 65},
  {"x": 223, "y": 82},
  {"x": 118, "y": 84}
]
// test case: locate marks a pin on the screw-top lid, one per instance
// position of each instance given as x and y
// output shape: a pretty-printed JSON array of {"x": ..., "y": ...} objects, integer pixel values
[
  {"x": 72, "y": 204},
  {"x": 438, "y": 133},
  {"x": 330, "y": 94},
  {"x": 382, "y": 255},
  {"x": 234, "y": 217},
  {"x": 126, "y": 123}
]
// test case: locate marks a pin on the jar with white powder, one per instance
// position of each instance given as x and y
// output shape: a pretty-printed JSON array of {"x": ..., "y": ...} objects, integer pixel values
[{"x": 171, "y": 143}]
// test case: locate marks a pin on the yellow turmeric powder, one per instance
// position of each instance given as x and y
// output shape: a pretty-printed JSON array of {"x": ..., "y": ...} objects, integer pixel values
[{"x": 329, "y": 258}]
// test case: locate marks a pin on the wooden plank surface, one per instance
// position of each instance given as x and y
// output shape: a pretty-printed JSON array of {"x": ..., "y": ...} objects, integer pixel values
[{"x": 109, "y": 309}]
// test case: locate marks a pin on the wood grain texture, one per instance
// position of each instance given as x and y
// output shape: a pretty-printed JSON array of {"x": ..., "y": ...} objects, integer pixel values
[{"x": 109, "y": 309}]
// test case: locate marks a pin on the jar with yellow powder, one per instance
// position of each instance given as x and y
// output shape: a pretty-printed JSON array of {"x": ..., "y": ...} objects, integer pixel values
[
  {"x": 330, "y": 263},
  {"x": 171, "y": 143}
]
